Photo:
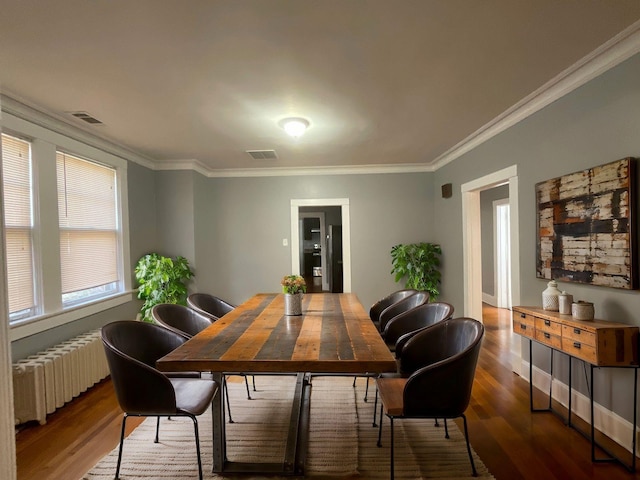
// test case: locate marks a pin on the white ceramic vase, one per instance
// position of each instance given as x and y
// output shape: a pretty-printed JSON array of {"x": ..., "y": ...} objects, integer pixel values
[{"x": 550, "y": 297}]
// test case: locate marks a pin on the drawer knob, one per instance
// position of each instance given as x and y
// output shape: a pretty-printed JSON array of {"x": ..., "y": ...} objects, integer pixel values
[
  {"x": 523, "y": 326},
  {"x": 577, "y": 331},
  {"x": 546, "y": 335},
  {"x": 576, "y": 345},
  {"x": 547, "y": 322},
  {"x": 523, "y": 315}
]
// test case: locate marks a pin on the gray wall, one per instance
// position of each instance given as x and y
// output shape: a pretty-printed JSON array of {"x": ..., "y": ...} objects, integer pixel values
[
  {"x": 240, "y": 224},
  {"x": 487, "y": 198},
  {"x": 596, "y": 124}
]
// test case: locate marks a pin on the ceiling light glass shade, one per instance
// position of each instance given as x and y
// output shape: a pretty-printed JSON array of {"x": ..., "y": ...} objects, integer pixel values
[{"x": 295, "y": 126}]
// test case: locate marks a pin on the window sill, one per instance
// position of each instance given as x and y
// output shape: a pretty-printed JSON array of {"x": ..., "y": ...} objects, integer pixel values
[{"x": 41, "y": 323}]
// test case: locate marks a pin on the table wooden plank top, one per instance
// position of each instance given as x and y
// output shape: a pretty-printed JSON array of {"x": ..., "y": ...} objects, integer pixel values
[{"x": 334, "y": 334}]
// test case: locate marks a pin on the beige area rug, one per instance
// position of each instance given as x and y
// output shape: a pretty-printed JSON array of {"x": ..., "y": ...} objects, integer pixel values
[{"x": 342, "y": 442}]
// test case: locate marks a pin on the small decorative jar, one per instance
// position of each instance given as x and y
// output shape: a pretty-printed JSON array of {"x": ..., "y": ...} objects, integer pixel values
[
  {"x": 293, "y": 303},
  {"x": 550, "y": 297},
  {"x": 564, "y": 303},
  {"x": 582, "y": 310}
]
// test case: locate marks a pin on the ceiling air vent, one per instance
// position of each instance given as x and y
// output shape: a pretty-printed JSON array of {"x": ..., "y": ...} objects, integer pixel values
[
  {"x": 85, "y": 117},
  {"x": 263, "y": 154}
]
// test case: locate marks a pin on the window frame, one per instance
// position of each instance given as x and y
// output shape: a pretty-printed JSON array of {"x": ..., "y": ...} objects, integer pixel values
[{"x": 48, "y": 135}]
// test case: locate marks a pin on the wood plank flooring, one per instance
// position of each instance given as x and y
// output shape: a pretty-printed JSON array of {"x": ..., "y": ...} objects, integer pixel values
[{"x": 512, "y": 442}]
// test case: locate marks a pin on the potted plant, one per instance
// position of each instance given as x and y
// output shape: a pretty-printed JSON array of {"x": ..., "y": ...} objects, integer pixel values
[
  {"x": 162, "y": 280},
  {"x": 419, "y": 263},
  {"x": 293, "y": 286}
]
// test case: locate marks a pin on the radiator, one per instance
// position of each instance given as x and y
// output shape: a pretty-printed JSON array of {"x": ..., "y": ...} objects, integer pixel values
[{"x": 46, "y": 381}]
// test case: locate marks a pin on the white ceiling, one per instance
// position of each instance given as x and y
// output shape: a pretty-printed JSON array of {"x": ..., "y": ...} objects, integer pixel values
[{"x": 382, "y": 82}]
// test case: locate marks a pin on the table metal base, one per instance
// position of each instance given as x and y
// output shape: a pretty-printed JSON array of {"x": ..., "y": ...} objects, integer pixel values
[{"x": 297, "y": 437}]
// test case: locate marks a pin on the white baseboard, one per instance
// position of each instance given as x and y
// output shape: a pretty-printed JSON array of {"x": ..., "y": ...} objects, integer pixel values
[
  {"x": 490, "y": 299},
  {"x": 606, "y": 421}
]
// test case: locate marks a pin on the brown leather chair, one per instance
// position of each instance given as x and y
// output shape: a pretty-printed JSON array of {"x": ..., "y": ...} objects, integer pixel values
[
  {"x": 207, "y": 304},
  {"x": 402, "y": 327},
  {"x": 378, "y": 307},
  {"x": 187, "y": 322},
  {"x": 443, "y": 360},
  {"x": 132, "y": 349},
  {"x": 392, "y": 311}
]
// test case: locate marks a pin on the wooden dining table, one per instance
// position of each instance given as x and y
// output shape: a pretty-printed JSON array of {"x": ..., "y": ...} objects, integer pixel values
[{"x": 334, "y": 335}]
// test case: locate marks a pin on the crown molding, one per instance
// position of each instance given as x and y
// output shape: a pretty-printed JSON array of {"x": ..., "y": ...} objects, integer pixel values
[
  {"x": 10, "y": 104},
  {"x": 293, "y": 171},
  {"x": 610, "y": 54}
]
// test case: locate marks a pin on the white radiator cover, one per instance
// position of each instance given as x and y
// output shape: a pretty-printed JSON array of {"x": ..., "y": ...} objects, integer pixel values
[{"x": 46, "y": 381}]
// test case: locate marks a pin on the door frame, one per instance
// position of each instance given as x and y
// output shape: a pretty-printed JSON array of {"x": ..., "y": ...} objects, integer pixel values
[
  {"x": 346, "y": 233},
  {"x": 502, "y": 253},
  {"x": 472, "y": 248}
]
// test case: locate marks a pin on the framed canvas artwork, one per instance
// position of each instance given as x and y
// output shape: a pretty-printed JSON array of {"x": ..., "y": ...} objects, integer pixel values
[{"x": 586, "y": 226}]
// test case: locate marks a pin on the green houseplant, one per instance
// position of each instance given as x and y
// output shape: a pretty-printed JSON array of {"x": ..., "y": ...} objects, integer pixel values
[
  {"x": 162, "y": 280},
  {"x": 419, "y": 263}
]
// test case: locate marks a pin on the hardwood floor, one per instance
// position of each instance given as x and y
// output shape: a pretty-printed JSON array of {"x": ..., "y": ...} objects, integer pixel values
[{"x": 512, "y": 442}]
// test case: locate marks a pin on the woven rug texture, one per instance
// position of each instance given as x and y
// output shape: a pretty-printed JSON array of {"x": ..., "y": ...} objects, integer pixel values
[{"x": 342, "y": 441}]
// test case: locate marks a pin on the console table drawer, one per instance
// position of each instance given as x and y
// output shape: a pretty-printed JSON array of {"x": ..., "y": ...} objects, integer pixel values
[
  {"x": 580, "y": 350},
  {"x": 524, "y": 324},
  {"x": 549, "y": 326},
  {"x": 554, "y": 341},
  {"x": 579, "y": 335}
]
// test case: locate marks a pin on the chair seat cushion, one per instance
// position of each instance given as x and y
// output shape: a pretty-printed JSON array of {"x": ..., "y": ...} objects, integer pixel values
[
  {"x": 193, "y": 395},
  {"x": 391, "y": 392}
]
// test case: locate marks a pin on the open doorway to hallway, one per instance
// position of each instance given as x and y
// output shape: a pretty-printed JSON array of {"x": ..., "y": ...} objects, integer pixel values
[
  {"x": 330, "y": 247},
  {"x": 321, "y": 248}
]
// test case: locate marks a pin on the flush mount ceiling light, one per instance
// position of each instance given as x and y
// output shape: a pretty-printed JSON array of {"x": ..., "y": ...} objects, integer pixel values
[{"x": 294, "y": 126}]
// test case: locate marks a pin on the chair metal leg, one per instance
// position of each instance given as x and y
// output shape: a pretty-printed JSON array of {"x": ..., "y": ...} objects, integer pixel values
[
  {"x": 375, "y": 408},
  {"x": 124, "y": 422},
  {"x": 246, "y": 383},
  {"x": 379, "y": 444},
  {"x": 446, "y": 429},
  {"x": 195, "y": 429},
  {"x": 392, "y": 459},
  {"x": 366, "y": 390},
  {"x": 157, "y": 439},
  {"x": 226, "y": 394},
  {"x": 466, "y": 436}
]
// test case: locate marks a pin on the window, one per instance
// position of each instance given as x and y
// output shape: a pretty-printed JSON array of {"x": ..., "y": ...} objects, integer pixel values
[
  {"x": 18, "y": 221},
  {"x": 87, "y": 210}
]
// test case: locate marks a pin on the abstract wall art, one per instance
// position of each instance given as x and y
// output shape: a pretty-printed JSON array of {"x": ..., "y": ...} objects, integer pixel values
[{"x": 586, "y": 226}]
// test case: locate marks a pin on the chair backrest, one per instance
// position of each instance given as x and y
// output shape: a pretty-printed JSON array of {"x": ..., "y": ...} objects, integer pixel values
[
  {"x": 132, "y": 349},
  {"x": 448, "y": 353},
  {"x": 377, "y": 308},
  {"x": 404, "y": 305},
  {"x": 415, "y": 319},
  {"x": 209, "y": 304},
  {"x": 180, "y": 319}
]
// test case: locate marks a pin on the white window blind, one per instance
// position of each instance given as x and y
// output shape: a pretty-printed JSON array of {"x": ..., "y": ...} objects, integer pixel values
[
  {"x": 18, "y": 221},
  {"x": 88, "y": 228}
]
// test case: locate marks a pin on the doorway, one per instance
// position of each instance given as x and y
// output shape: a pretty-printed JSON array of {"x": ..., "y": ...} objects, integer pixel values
[
  {"x": 472, "y": 248},
  {"x": 299, "y": 206}
]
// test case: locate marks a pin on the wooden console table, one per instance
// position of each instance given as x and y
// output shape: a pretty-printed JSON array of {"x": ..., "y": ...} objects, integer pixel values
[{"x": 598, "y": 343}]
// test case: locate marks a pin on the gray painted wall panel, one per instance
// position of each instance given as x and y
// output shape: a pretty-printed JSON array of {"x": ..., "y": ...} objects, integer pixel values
[{"x": 243, "y": 222}]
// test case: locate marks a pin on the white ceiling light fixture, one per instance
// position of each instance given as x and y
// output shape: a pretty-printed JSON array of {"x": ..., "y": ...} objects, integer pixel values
[{"x": 294, "y": 126}]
